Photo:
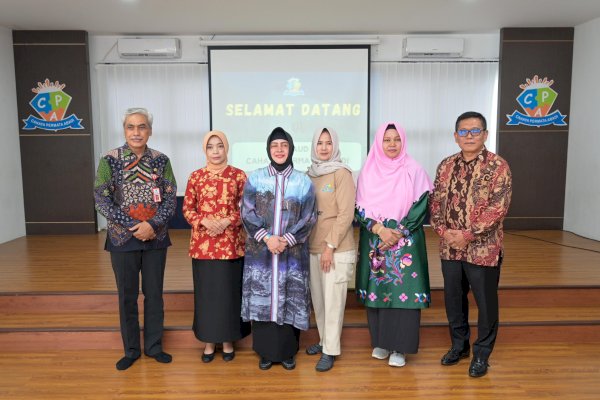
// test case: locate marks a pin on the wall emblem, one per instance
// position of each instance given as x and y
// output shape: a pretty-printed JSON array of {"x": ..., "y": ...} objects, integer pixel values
[
  {"x": 51, "y": 104},
  {"x": 537, "y": 99}
]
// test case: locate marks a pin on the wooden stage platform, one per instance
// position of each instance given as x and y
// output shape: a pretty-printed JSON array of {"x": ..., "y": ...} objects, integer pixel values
[{"x": 59, "y": 334}]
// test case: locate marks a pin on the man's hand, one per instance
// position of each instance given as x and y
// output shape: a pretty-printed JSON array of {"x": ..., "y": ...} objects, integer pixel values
[
  {"x": 143, "y": 231},
  {"x": 455, "y": 239}
]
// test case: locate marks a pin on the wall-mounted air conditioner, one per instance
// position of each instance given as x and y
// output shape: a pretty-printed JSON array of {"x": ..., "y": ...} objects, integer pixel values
[
  {"x": 433, "y": 47},
  {"x": 149, "y": 48}
]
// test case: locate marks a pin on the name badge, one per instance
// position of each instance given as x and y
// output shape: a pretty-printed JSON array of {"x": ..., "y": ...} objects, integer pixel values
[{"x": 156, "y": 195}]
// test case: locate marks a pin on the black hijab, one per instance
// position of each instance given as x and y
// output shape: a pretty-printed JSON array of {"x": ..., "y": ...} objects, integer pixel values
[{"x": 279, "y": 133}]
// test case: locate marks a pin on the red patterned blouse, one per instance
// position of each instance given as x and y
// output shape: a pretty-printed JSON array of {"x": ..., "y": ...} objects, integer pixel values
[{"x": 216, "y": 196}]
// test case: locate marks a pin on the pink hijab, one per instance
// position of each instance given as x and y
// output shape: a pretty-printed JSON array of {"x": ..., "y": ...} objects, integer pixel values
[{"x": 387, "y": 188}]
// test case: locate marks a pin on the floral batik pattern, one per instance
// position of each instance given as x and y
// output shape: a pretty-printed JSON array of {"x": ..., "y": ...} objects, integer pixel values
[
  {"x": 123, "y": 192},
  {"x": 216, "y": 196},
  {"x": 397, "y": 277},
  {"x": 473, "y": 197}
]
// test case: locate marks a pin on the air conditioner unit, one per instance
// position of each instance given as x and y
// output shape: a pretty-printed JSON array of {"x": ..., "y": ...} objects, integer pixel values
[
  {"x": 433, "y": 47},
  {"x": 149, "y": 48}
]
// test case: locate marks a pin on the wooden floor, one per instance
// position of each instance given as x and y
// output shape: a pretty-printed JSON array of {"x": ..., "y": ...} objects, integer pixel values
[
  {"x": 78, "y": 263},
  {"x": 59, "y": 336},
  {"x": 559, "y": 371}
]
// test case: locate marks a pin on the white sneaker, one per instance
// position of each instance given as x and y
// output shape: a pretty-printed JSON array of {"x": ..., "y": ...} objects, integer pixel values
[
  {"x": 397, "y": 360},
  {"x": 380, "y": 354}
]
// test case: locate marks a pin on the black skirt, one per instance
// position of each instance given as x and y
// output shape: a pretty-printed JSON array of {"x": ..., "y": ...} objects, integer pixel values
[
  {"x": 395, "y": 329},
  {"x": 275, "y": 342},
  {"x": 218, "y": 300}
]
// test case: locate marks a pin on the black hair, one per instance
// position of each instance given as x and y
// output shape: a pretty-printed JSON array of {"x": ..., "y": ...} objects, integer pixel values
[{"x": 470, "y": 114}]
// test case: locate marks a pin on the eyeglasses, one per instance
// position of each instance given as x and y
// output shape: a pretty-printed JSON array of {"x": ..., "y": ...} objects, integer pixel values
[{"x": 474, "y": 132}]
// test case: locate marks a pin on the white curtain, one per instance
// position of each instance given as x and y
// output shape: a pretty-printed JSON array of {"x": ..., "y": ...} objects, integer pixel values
[
  {"x": 177, "y": 97},
  {"x": 427, "y": 97}
]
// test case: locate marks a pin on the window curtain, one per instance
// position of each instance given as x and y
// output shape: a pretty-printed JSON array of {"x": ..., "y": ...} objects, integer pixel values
[
  {"x": 427, "y": 97},
  {"x": 175, "y": 94},
  {"x": 177, "y": 97}
]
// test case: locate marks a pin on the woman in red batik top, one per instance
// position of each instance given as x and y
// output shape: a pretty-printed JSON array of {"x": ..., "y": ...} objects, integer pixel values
[{"x": 212, "y": 207}]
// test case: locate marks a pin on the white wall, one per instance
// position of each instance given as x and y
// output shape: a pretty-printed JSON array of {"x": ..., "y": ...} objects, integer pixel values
[
  {"x": 582, "y": 202},
  {"x": 103, "y": 48},
  {"x": 12, "y": 214}
]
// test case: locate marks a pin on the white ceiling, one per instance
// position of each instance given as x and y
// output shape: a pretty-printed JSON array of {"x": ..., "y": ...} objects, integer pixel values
[{"x": 255, "y": 17}]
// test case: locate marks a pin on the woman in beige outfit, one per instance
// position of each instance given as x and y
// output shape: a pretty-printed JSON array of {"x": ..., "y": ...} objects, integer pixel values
[{"x": 332, "y": 250}]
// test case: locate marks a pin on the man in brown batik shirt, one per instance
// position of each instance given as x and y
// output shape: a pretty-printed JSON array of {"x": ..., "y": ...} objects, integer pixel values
[{"x": 471, "y": 196}]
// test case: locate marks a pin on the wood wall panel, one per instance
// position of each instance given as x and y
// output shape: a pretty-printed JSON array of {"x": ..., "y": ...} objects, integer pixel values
[
  {"x": 537, "y": 155},
  {"x": 57, "y": 166}
]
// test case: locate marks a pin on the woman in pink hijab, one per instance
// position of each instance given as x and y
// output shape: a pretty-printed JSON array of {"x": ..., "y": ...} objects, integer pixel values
[{"x": 392, "y": 277}]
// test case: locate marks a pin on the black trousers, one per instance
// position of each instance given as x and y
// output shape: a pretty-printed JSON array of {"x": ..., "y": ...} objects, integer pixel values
[
  {"x": 459, "y": 278},
  {"x": 127, "y": 267}
]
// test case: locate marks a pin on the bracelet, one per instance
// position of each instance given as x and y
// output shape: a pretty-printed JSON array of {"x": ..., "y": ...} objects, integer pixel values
[
  {"x": 267, "y": 237},
  {"x": 330, "y": 246},
  {"x": 405, "y": 232}
]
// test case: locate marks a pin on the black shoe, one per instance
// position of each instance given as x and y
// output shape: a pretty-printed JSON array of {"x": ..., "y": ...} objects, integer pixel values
[
  {"x": 265, "y": 364},
  {"x": 314, "y": 349},
  {"x": 208, "y": 357},
  {"x": 125, "y": 363},
  {"x": 453, "y": 356},
  {"x": 228, "y": 356},
  {"x": 325, "y": 363},
  {"x": 289, "y": 364},
  {"x": 161, "y": 357},
  {"x": 478, "y": 368}
]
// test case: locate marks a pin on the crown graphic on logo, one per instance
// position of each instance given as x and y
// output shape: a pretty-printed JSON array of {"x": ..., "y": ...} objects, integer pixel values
[
  {"x": 48, "y": 86},
  {"x": 51, "y": 104},
  {"x": 536, "y": 100}
]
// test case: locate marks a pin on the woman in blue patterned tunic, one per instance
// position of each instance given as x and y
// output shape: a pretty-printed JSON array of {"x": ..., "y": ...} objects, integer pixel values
[{"x": 278, "y": 212}]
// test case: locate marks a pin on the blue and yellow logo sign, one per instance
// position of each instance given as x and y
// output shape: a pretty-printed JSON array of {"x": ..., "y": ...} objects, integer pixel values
[
  {"x": 51, "y": 104},
  {"x": 537, "y": 99},
  {"x": 293, "y": 87}
]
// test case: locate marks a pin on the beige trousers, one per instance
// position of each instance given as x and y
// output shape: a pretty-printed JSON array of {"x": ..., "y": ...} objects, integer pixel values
[{"x": 328, "y": 291}]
